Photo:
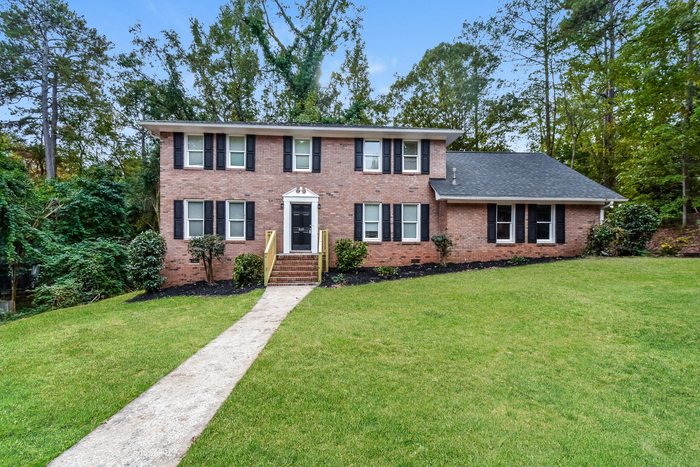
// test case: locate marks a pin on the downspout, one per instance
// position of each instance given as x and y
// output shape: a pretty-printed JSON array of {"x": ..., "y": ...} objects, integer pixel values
[{"x": 602, "y": 210}]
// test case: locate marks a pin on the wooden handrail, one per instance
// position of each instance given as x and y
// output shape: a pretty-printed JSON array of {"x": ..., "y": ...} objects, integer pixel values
[
  {"x": 322, "y": 253},
  {"x": 270, "y": 253}
]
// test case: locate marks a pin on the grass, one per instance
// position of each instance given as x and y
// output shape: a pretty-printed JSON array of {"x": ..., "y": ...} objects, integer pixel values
[
  {"x": 590, "y": 362},
  {"x": 64, "y": 372}
]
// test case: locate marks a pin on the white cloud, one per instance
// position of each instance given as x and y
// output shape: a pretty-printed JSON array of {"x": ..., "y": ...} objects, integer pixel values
[{"x": 377, "y": 66}]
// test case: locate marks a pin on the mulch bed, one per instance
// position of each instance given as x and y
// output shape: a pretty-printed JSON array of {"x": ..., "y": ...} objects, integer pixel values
[
  {"x": 671, "y": 234},
  {"x": 199, "y": 289},
  {"x": 368, "y": 275}
]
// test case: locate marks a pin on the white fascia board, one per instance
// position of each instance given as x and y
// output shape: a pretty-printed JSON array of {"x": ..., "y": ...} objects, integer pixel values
[
  {"x": 157, "y": 127},
  {"x": 515, "y": 199}
]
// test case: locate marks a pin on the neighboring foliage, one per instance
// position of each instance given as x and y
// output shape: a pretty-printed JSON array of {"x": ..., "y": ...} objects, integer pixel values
[
  {"x": 248, "y": 270},
  {"x": 443, "y": 245},
  {"x": 349, "y": 254},
  {"x": 206, "y": 249},
  {"x": 62, "y": 294},
  {"x": 625, "y": 231},
  {"x": 146, "y": 256}
]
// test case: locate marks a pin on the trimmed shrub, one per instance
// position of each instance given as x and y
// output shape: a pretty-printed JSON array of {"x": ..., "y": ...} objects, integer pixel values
[
  {"x": 350, "y": 254},
  {"x": 205, "y": 249},
  {"x": 248, "y": 269},
  {"x": 443, "y": 245},
  {"x": 62, "y": 294},
  {"x": 600, "y": 238},
  {"x": 639, "y": 221},
  {"x": 146, "y": 257}
]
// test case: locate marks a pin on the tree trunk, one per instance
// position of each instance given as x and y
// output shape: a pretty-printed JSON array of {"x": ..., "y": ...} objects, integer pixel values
[
  {"x": 689, "y": 104},
  {"x": 14, "y": 289},
  {"x": 610, "y": 93},
  {"x": 50, "y": 162},
  {"x": 54, "y": 122},
  {"x": 547, "y": 103},
  {"x": 573, "y": 152}
]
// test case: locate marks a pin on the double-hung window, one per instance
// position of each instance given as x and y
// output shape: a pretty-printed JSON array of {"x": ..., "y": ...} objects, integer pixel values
[
  {"x": 195, "y": 151},
  {"x": 372, "y": 222},
  {"x": 545, "y": 230},
  {"x": 236, "y": 152},
  {"x": 302, "y": 155},
  {"x": 504, "y": 223},
  {"x": 373, "y": 156},
  {"x": 411, "y": 222},
  {"x": 236, "y": 220},
  {"x": 195, "y": 218},
  {"x": 410, "y": 156}
]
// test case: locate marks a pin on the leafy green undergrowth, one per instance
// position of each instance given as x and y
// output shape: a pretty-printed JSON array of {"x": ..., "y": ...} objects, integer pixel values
[
  {"x": 64, "y": 372},
  {"x": 590, "y": 362}
]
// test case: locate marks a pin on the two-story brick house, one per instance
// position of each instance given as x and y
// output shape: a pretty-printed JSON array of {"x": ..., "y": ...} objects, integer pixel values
[{"x": 391, "y": 187}]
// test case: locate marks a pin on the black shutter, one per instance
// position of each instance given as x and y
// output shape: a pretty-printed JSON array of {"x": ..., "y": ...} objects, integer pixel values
[
  {"x": 209, "y": 218},
  {"x": 531, "y": 223},
  {"x": 179, "y": 147},
  {"x": 386, "y": 156},
  {"x": 359, "y": 153},
  {"x": 491, "y": 223},
  {"x": 425, "y": 156},
  {"x": 397, "y": 223},
  {"x": 220, "y": 151},
  {"x": 221, "y": 219},
  {"x": 424, "y": 222},
  {"x": 250, "y": 153},
  {"x": 316, "y": 155},
  {"x": 358, "y": 221},
  {"x": 386, "y": 222},
  {"x": 208, "y": 151},
  {"x": 398, "y": 154},
  {"x": 560, "y": 216},
  {"x": 519, "y": 223},
  {"x": 178, "y": 212},
  {"x": 250, "y": 220},
  {"x": 288, "y": 148}
]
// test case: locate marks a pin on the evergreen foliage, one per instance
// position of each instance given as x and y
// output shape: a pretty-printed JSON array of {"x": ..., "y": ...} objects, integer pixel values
[
  {"x": 146, "y": 257},
  {"x": 205, "y": 249},
  {"x": 248, "y": 269},
  {"x": 349, "y": 254}
]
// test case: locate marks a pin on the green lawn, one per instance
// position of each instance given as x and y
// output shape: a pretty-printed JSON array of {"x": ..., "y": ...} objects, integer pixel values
[
  {"x": 589, "y": 362},
  {"x": 64, "y": 372}
]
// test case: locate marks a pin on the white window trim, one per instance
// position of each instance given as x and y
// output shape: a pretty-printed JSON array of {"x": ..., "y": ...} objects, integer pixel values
[
  {"x": 187, "y": 217},
  {"x": 364, "y": 223},
  {"x": 364, "y": 155},
  {"x": 187, "y": 152},
  {"x": 511, "y": 238},
  {"x": 551, "y": 228},
  {"x": 228, "y": 153},
  {"x": 417, "y": 222},
  {"x": 418, "y": 156},
  {"x": 294, "y": 155},
  {"x": 228, "y": 221}
]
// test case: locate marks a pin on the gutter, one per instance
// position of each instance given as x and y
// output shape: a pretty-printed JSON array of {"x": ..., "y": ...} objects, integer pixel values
[{"x": 482, "y": 199}]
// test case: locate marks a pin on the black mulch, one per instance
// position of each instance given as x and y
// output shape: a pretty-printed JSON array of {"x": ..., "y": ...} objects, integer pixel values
[
  {"x": 368, "y": 276},
  {"x": 199, "y": 289}
]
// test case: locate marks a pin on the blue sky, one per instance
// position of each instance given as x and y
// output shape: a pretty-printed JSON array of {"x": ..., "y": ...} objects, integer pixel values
[{"x": 397, "y": 33}]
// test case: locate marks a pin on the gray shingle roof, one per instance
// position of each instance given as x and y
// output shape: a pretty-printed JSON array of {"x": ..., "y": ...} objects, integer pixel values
[{"x": 485, "y": 175}]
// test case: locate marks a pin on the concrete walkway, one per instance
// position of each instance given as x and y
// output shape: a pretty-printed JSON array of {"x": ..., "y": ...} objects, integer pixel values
[{"x": 158, "y": 427}]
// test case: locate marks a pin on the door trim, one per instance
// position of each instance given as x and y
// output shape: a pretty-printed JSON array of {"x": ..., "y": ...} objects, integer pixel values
[{"x": 300, "y": 195}]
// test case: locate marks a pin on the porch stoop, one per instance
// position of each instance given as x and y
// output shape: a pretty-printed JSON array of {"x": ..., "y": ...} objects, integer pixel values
[{"x": 295, "y": 269}]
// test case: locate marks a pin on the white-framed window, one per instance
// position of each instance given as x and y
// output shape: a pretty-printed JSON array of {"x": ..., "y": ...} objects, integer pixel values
[
  {"x": 194, "y": 213},
  {"x": 235, "y": 220},
  {"x": 545, "y": 223},
  {"x": 410, "y": 222},
  {"x": 411, "y": 162},
  {"x": 194, "y": 145},
  {"x": 302, "y": 155},
  {"x": 373, "y": 156},
  {"x": 236, "y": 152},
  {"x": 504, "y": 223},
  {"x": 372, "y": 229}
]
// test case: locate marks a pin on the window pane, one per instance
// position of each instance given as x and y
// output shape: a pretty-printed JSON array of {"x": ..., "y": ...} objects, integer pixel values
[
  {"x": 410, "y": 148},
  {"x": 372, "y": 213},
  {"x": 544, "y": 213},
  {"x": 372, "y": 230},
  {"x": 236, "y": 143},
  {"x": 410, "y": 213},
  {"x": 372, "y": 163},
  {"x": 504, "y": 214},
  {"x": 195, "y": 142},
  {"x": 410, "y": 163},
  {"x": 302, "y": 162},
  {"x": 235, "y": 211},
  {"x": 237, "y": 159},
  {"x": 372, "y": 148},
  {"x": 196, "y": 228},
  {"x": 303, "y": 146},
  {"x": 409, "y": 231},
  {"x": 543, "y": 231},
  {"x": 195, "y": 210},
  {"x": 503, "y": 232},
  {"x": 195, "y": 158},
  {"x": 236, "y": 229}
]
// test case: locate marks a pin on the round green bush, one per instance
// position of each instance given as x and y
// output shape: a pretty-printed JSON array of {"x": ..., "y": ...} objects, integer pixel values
[
  {"x": 639, "y": 221},
  {"x": 146, "y": 257},
  {"x": 349, "y": 254},
  {"x": 248, "y": 269}
]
